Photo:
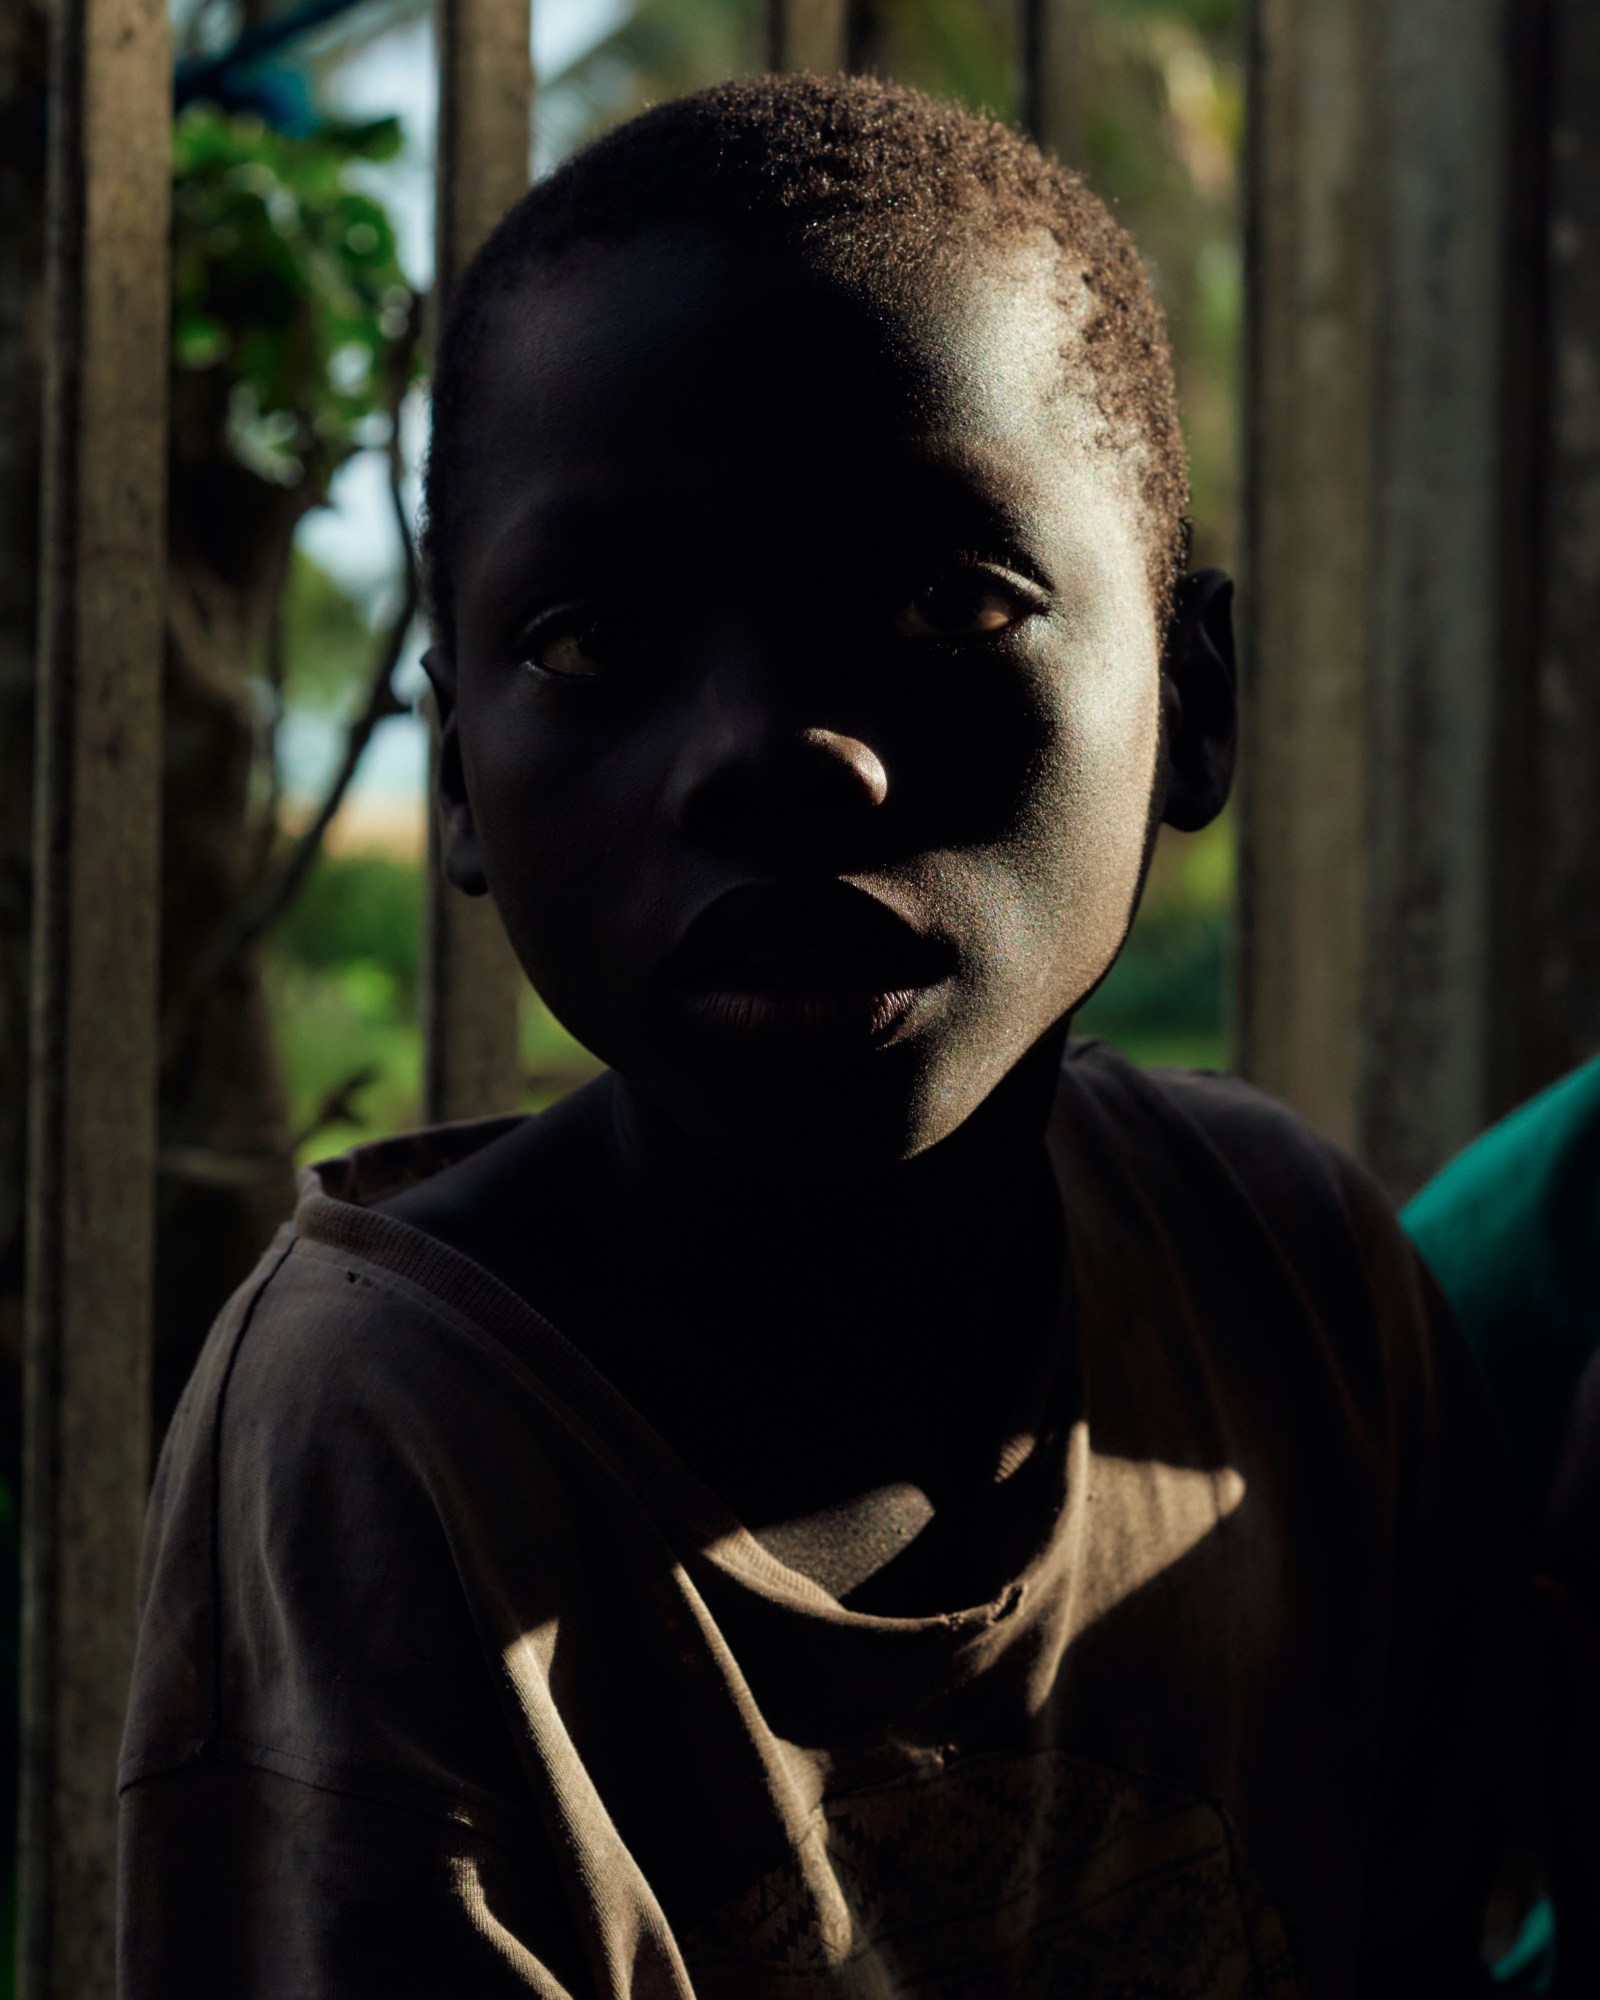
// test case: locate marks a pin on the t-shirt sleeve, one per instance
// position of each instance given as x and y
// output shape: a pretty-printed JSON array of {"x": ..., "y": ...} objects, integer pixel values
[
  {"x": 245, "y": 1882},
  {"x": 320, "y": 1798}
]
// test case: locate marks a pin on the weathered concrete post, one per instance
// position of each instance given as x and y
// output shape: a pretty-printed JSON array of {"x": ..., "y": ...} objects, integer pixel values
[
  {"x": 1420, "y": 943},
  {"x": 808, "y": 35},
  {"x": 1439, "y": 577},
  {"x": 1052, "y": 74},
  {"x": 24, "y": 62},
  {"x": 1554, "y": 798},
  {"x": 96, "y": 903},
  {"x": 1308, "y": 428},
  {"x": 471, "y": 981}
]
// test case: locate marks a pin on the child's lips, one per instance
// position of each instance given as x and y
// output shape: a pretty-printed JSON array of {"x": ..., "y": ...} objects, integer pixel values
[
  {"x": 805, "y": 962},
  {"x": 831, "y": 1019}
]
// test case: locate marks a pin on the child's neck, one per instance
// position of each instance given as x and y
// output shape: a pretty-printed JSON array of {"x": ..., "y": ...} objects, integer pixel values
[
  {"x": 678, "y": 1190},
  {"x": 844, "y": 1334},
  {"x": 898, "y": 1261},
  {"x": 799, "y": 1342}
]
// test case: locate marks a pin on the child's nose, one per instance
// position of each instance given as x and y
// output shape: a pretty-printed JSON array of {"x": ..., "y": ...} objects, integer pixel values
[{"x": 802, "y": 791}]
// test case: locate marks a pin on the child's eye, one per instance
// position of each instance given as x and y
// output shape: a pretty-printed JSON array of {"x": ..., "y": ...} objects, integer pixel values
[
  {"x": 960, "y": 607},
  {"x": 576, "y": 645}
]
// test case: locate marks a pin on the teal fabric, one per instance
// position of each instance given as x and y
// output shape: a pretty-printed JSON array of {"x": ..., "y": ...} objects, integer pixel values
[
  {"x": 1511, "y": 1229},
  {"x": 1530, "y": 1965}
]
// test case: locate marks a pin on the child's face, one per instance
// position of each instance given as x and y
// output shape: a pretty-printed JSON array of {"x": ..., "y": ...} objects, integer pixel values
[{"x": 807, "y": 683}]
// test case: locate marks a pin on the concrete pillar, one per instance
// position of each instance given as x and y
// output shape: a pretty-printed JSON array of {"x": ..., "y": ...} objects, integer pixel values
[
  {"x": 1418, "y": 911},
  {"x": 1052, "y": 74},
  {"x": 1312, "y": 221},
  {"x": 1557, "y": 886},
  {"x": 809, "y": 35},
  {"x": 472, "y": 984},
  {"x": 24, "y": 62},
  {"x": 96, "y": 902}
]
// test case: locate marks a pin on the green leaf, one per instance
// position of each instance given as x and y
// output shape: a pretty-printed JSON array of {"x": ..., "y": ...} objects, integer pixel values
[
  {"x": 199, "y": 342},
  {"x": 285, "y": 274}
]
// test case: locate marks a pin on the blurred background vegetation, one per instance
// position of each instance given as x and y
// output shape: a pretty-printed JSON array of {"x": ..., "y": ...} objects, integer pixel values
[{"x": 1164, "y": 114}]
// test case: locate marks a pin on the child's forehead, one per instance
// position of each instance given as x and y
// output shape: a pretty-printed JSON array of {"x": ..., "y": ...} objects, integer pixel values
[
  {"x": 726, "y": 323},
  {"x": 694, "y": 385}
]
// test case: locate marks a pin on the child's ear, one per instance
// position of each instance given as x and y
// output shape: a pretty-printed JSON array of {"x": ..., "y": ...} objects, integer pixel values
[
  {"x": 462, "y": 854},
  {"x": 1200, "y": 698}
]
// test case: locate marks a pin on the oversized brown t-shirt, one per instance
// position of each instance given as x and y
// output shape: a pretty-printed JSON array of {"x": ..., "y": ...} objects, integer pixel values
[{"x": 454, "y": 1680}]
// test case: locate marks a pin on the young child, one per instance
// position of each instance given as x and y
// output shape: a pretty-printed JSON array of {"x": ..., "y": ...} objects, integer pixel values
[{"x": 866, "y": 1498}]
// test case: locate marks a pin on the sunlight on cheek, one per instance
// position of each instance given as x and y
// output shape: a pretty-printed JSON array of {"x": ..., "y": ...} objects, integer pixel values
[{"x": 1090, "y": 831}]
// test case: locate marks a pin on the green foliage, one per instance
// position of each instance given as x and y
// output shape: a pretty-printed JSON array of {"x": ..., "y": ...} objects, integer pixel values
[
  {"x": 286, "y": 288},
  {"x": 337, "y": 1025},
  {"x": 358, "y": 911},
  {"x": 954, "y": 48},
  {"x": 342, "y": 972},
  {"x": 327, "y": 641},
  {"x": 342, "y": 978}
]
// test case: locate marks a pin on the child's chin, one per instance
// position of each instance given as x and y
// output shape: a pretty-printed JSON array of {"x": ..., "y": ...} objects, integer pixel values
[{"x": 816, "y": 1122}]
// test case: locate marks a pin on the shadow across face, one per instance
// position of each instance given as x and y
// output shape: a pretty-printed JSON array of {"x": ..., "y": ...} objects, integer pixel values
[{"x": 809, "y": 714}]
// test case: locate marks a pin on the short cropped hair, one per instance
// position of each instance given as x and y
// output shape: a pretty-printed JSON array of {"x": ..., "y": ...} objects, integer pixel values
[{"x": 868, "y": 172}]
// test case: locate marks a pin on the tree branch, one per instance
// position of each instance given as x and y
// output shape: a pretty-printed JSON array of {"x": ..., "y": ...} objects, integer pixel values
[
  {"x": 257, "y": 912},
  {"x": 267, "y": 828},
  {"x": 338, "y": 1107}
]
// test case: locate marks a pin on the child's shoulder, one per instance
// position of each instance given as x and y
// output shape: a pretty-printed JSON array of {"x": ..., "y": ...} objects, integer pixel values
[
  {"x": 341, "y": 1391},
  {"x": 1252, "y": 1133},
  {"x": 1220, "y": 1149},
  {"x": 1256, "y": 1228},
  {"x": 320, "y": 1352},
  {"x": 392, "y": 1307}
]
